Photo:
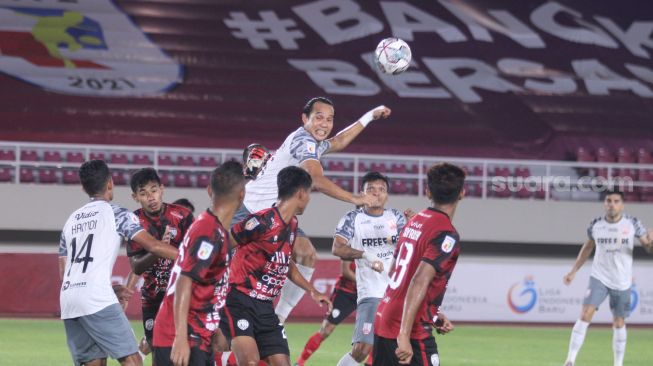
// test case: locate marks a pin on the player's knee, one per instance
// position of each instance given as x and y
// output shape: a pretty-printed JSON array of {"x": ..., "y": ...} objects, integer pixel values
[
  {"x": 587, "y": 314},
  {"x": 131, "y": 360},
  {"x": 619, "y": 322}
]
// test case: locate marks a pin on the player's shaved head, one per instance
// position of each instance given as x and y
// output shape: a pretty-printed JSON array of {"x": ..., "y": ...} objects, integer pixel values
[
  {"x": 445, "y": 182},
  {"x": 308, "y": 108},
  {"x": 94, "y": 175},
  {"x": 227, "y": 178},
  {"x": 291, "y": 179}
]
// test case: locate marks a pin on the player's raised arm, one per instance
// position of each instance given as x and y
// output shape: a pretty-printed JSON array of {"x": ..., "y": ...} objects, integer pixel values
[
  {"x": 414, "y": 297},
  {"x": 343, "y": 138},
  {"x": 326, "y": 186},
  {"x": 156, "y": 247},
  {"x": 583, "y": 255}
]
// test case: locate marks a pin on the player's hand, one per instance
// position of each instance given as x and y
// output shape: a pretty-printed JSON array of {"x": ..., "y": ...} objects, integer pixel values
[
  {"x": 409, "y": 213},
  {"x": 363, "y": 200},
  {"x": 381, "y": 112},
  {"x": 167, "y": 235},
  {"x": 568, "y": 278},
  {"x": 123, "y": 294},
  {"x": 321, "y": 298},
  {"x": 180, "y": 353},
  {"x": 443, "y": 325},
  {"x": 404, "y": 351},
  {"x": 377, "y": 266}
]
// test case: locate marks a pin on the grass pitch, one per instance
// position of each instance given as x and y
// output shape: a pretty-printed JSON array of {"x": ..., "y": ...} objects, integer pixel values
[{"x": 30, "y": 342}]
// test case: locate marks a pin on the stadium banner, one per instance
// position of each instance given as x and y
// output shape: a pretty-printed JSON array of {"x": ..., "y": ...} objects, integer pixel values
[{"x": 481, "y": 290}]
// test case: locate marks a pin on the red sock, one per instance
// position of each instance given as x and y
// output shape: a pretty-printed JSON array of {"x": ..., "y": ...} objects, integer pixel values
[
  {"x": 218, "y": 358},
  {"x": 311, "y": 346},
  {"x": 231, "y": 361},
  {"x": 369, "y": 361}
]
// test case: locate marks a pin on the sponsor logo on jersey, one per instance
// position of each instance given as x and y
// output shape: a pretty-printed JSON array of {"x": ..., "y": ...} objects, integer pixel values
[
  {"x": 335, "y": 313},
  {"x": 82, "y": 48},
  {"x": 311, "y": 147},
  {"x": 242, "y": 324},
  {"x": 448, "y": 244},
  {"x": 251, "y": 224},
  {"x": 205, "y": 250}
]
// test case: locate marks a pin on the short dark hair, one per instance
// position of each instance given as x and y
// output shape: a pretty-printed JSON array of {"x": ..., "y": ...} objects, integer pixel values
[
  {"x": 186, "y": 203},
  {"x": 372, "y": 176},
  {"x": 226, "y": 177},
  {"x": 612, "y": 191},
  {"x": 445, "y": 182},
  {"x": 142, "y": 177},
  {"x": 308, "y": 108},
  {"x": 291, "y": 179},
  {"x": 94, "y": 175}
]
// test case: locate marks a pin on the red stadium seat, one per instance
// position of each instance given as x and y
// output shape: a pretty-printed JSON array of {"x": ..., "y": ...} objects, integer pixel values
[
  {"x": 6, "y": 174},
  {"x": 203, "y": 179},
  {"x": 398, "y": 168},
  {"x": 29, "y": 155},
  {"x": 141, "y": 159},
  {"x": 74, "y": 157},
  {"x": 501, "y": 191},
  {"x": 644, "y": 156},
  {"x": 603, "y": 155},
  {"x": 473, "y": 189},
  {"x": 70, "y": 176},
  {"x": 378, "y": 167},
  {"x": 165, "y": 178},
  {"x": 345, "y": 183},
  {"x": 583, "y": 154},
  {"x": 7, "y": 155},
  {"x": 97, "y": 156},
  {"x": 52, "y": 156},
  {"x": 48, "y": 176},
  {"x": 119, "y": 158},
  {"x": 27, "y": 175},
  {"x": 182, "y": 179},
  {"x": 414, "y": 169},
  {"x": 165, "y": 160},
  {"x": 118, "y": 176},
  {"x": 185, "y": 161},
  {"x": 398, "y": 187},
  {"x": 208, "y": 161},
  {"x": 523, "y": 191}
]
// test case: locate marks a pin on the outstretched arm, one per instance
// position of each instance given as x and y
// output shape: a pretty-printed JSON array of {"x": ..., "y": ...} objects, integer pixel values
[
  {"x": 583, "y": 255},
  {"x": 341, "y": 249},
  {"x": 326, "y": 186},
  {"x": 156, "y": 247},
  {"x": 343, "y": 138}
]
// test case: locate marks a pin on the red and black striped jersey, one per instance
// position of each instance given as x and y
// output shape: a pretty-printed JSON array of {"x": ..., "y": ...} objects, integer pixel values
[
  {"x": 260, "y": 266},
  {"x": 428, "y": 237},
  {"x": 155, "y": 278},
  {"x": 204, "y": 257}
]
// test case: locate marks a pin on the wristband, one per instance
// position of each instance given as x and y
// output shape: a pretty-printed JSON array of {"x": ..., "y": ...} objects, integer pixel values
[{"x": 369, "y": 116}]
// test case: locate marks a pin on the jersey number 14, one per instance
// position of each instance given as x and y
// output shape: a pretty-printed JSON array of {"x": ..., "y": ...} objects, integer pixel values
[{"x": 76, "y": 256}]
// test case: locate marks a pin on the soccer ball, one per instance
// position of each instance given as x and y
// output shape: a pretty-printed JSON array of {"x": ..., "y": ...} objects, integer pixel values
[{"x": 392, "y": 56}]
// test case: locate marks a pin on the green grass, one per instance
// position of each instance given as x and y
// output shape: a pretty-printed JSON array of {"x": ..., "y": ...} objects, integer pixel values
[{"x": 42, "y": 342}]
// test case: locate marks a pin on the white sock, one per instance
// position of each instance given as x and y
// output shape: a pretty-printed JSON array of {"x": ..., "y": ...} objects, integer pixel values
[
  {"x": 619, "y": 337},
  {"x": 291, "y": 294},
  {"x": 577, "y": 339},
  {"x": 225, "y": 357},
  {"x": 347, "y": 360}
]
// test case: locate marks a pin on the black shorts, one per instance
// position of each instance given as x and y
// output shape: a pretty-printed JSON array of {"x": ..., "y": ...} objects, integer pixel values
[
  {"x": 149, "y": 314},
  {"x": 344, "y": 303},
  {"x": 197, "y": 357},
  {"x": 425, "y": 352},
  {"x": 246, "y": 316}
]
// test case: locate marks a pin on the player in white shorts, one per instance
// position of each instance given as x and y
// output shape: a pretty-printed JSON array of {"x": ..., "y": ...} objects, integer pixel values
[
  {"x": 95, "y": 324},
  {"x": 368, "y": 235},
  {"x": 304, "y": 148},
  {"x": 613, "y": 236}
]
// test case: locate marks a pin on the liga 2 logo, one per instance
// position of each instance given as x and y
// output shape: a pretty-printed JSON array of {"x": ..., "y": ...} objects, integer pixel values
[{"x": 83, "y": 48}]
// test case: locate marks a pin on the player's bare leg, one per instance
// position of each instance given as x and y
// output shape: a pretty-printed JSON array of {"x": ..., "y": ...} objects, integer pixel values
[
  {"x": 578, "y": 333},
  {"x": 96, "y": 362},
  {"x": 278, "y": 360},
  {"x": 304, "y": 256},
  {"x": 360, "y": 351},
  {"x": 246, "y": 351},
  {"x": 131, "y": 360},
  {"x": 619, "y": 337}
]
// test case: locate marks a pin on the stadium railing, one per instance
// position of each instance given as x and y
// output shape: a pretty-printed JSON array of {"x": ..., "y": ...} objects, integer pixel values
[{"x": 50, "y": 163}]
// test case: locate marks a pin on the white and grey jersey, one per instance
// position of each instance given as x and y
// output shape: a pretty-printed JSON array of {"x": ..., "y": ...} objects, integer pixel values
[
  {"x": 90, "y": 241},
  {"x": 298, "y": 147},
  {"x": 613, "y": 259},
  {"x": 376, "y": 235}
]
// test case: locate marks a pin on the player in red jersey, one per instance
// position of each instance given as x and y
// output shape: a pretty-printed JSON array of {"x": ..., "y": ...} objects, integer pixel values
[
  {"x": 343, "y": 299},
  {"x": 166, "y": 222},
  {"x": 188, "y": 317},
  {"x": 259, "y": 270},
  {"x": 426, "y": 254}
]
